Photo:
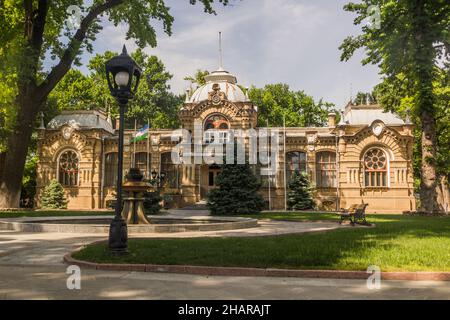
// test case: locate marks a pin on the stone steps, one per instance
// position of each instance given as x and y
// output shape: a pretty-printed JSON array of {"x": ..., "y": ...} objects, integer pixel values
[{"x": 201, "y": 205}]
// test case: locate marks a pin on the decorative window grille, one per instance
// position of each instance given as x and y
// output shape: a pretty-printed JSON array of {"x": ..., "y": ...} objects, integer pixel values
[
  {"x": 68, "y": 169},
  {"x": 375, "y": 168},
  {"x": 326, "y": 169},
  {"x": 295, "y": 160}
]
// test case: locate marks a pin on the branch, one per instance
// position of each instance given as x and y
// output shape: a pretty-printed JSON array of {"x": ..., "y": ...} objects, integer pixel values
[
  {"x": 28, "y": 6},
  {"x": 71, "y": 52},
  {"x": 38, "y": 26}
]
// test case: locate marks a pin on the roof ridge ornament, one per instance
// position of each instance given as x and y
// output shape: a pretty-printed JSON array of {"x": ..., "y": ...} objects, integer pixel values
[
  {"x": 216, "y": 96},
  {"x": 42, "y": 125}
]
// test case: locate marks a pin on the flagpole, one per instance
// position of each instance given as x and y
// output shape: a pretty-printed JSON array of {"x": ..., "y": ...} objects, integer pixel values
[
  {"x": 148, "y": 149},
  {"x": 134, "y": 143},
  {"x": 269, "y": 171},
  {"x": 285, "y": 162}
]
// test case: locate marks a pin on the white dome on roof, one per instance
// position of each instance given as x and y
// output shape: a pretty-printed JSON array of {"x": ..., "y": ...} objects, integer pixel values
[{"x": 227, "y": 83}]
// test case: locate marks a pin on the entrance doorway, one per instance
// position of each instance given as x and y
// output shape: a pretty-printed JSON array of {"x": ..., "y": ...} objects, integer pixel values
[{"x": 209, "y": 178}]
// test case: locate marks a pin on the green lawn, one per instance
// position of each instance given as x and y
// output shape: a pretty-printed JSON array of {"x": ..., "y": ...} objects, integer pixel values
[
  {"x": 52, "y": 213},
  {"x": 398, "y": 243}
]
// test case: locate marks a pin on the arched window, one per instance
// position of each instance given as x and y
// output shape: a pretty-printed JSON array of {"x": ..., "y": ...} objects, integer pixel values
[
  {"x": 216, "y": 126},
  {"x": 140, "y": 162},
  {"x": 111, "y": 162},
  {"x": 375, "y": 168},
  {"x": 295, "y": 160},
  {"x": 326, "y": 169},
  {"x": 170, "y": 170},
  {"x": 217, "y": 121},
  {"x": 68, "y": 169}
]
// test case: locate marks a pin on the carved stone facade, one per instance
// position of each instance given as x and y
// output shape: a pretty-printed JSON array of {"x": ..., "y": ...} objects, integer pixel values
[{"x": 366, "y": 157}]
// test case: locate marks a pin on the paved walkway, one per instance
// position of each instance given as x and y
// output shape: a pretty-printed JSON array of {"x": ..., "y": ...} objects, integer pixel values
[{"x": 31, "y": 267}]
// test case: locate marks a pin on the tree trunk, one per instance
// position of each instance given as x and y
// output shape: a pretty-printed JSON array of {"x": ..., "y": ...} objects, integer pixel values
[
  {"x": 16, "y": 154},
  {"x": 424, "y": 56},
  {"x": 428, "y": 194}
]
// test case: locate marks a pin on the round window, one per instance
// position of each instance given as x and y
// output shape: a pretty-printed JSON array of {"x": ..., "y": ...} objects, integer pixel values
[{"x": 375, "y": 159}]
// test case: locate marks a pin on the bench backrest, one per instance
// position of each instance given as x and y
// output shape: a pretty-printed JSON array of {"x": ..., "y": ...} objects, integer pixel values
[{"x": 361, "y": 209}]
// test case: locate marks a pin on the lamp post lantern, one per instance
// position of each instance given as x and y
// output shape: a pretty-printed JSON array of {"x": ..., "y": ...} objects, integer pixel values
[
  {"x": 123, "y": 75},
  {"x": 158, "y": 179}
]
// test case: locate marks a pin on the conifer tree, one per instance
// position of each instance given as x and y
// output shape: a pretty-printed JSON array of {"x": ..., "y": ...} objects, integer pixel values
[
  {"x": 237, "y": 192},
  {"x": 300, "y": 192},
  {"x": 53, "y": 196}
]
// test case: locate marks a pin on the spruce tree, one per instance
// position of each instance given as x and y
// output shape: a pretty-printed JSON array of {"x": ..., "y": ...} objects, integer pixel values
[
  {"x": 237, "y": 192},
  {"x": 300, "y": 192},
  {"x": 152, "y": 202},
  {"x": 53, "y": 196}
]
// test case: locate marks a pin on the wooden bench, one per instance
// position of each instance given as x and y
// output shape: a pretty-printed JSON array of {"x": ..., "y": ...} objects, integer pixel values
[{"x": 356, "y": 213}]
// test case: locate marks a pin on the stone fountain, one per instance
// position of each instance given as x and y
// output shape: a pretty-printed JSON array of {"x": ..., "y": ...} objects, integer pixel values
[{"x": 133, "y": 202}]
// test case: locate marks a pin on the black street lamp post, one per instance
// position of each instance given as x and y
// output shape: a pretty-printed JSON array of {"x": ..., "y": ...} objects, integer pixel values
[{"x": 123, "y": 75}]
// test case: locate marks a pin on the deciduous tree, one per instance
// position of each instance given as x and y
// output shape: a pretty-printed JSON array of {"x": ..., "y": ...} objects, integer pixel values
[
  {"x": 35, "y": 30},
  {"x": 276, "y": 101},
  {"x": 410, "y": 40}
]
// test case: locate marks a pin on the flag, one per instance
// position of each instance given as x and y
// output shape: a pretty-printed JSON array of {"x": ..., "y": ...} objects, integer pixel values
[{"x": 141, "y": 134}]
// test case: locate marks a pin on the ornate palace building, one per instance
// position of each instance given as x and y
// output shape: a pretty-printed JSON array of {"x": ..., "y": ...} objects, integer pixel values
[{"x": 365, "y": 158}]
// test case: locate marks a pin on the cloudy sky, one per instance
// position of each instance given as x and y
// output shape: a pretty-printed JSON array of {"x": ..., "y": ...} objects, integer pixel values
[{"x": 264, "y": 41}]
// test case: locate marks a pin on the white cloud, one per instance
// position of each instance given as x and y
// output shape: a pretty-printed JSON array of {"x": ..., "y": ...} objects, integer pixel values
[{"x": 265, "y": 41}]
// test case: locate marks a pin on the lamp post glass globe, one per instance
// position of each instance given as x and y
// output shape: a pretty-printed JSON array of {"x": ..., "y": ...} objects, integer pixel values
[{"x": 122, "y": 78}]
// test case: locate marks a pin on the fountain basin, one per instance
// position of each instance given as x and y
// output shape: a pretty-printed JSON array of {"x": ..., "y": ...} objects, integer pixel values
[{"x": 100, "y": 224}]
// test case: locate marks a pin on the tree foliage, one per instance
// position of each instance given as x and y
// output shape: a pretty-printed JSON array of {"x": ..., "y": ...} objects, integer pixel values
[
  {"x": 365, "y": 98},
  {"x": 29, "y": 182},
  {"x": 77, "y": 91},
  {"x": 153, "y": 101},
  {"x": 198, "y": 78},
  {"x": 33, "y": 31},
  {"x": 276, "y": 101},
  {"x": 393, "y": 94},
  {"x": 236, "y": 193},
  {"x": 412, "y": 40},
  {"x": 53, "y": 196},
  {"x": 152, "y": 202},
  {"x": 300, "y": 192}
]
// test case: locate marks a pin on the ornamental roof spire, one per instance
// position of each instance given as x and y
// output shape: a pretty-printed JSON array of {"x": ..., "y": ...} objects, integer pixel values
[{"x": 220, "y": 52}]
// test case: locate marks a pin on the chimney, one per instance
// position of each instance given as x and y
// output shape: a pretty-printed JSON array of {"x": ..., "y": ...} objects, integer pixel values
[
  {"x": 331, "y": 119},
  {"x": 117, "y": 123}
]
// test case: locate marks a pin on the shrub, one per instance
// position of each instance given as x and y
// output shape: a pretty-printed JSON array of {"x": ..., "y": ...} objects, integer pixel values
[
  {"x": 300, "y": 192},
  {"x": 53, "y": 196},
  {"x": 152, "y": 202}
]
